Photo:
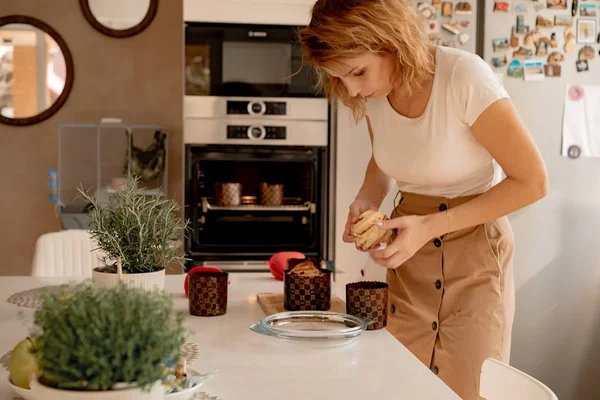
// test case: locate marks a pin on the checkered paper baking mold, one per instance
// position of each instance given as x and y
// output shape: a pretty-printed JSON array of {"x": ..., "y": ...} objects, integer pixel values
[
  {"x": 302, "y": 293},
  {"x": 368, "y": 300}
]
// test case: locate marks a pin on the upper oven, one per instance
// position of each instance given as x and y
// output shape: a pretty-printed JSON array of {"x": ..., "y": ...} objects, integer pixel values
[{"x": 245, "y": 61}]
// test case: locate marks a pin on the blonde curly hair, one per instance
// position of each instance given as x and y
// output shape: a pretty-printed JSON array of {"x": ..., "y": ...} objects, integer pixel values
[{"x": 348, "y": 28}]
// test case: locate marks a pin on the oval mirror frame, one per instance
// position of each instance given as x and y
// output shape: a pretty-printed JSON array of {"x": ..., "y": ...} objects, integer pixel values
[
  {"x": 70, "y": 70},
  {"x": 119, "y": 33}
]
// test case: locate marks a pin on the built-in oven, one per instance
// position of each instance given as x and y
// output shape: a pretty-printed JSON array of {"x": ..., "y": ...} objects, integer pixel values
[
  {"x": 249, "y": 203},
  {"x": 257, "y": 179},
  {"x": 245, "y": 60}
]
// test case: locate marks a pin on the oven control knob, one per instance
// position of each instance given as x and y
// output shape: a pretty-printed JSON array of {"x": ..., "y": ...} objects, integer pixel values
[
  {"x": 256, "y": 132},
  {"x": 257, "y": 107}
]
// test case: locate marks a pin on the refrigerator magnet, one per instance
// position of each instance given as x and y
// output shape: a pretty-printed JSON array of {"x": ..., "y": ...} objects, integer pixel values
[
  {"x": 553, "y": 41},
  {"x": 464, "y": 8},
  {"x": 586, "y": 31},
  {"x": 433, "y": 26},
  {"x": 542, "y": 22},
  {"x": 552, "y": 71},
  {"x": 451, "y": 43},
  {"x": 574, "y": 8},
  {"x": 574, "y": 151},
  {"x": 499, "y": 61},
  {"x": 514, "y": 39},
  {"x": 563, "y": 20},
  {"x": 451, "y": 28},
  {"x": 463, "y": 39},
  {"x": 436, "y": 4},
  {"x": 426, "y": 10},
  {"x": 521, "y": 27},
  {"x": 569, "y": 39},
  {"x": 521, "y": 8},
  {"x": 515, "y": 69},
  {"x": 541, "y": 50},
  {"x": 500, "y": 44},
  {"x": 587, "y": 53},
  {"x": 501, "y": 6},
  {"x": 523, "y": 53},
  {"x": 534, "y": 70},
  {"x": 575, "y": 93},
  {"x": 556, "y": 58},
  {"x": 587, "y": 10},
  {"x": 464, "y": 24},
  {"x": 539, "y": 5},
  {"x": 532, "y": 38},
  {"x": 446, "y": 9},
  {"x": 557, "y": 4},
  {"x": 434, "y": 39},
  {"x": 582, "y": 65}
]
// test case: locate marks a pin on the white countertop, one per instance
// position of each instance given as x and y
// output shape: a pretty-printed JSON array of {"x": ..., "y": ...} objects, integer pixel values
[{"x": 254, "y": 366}]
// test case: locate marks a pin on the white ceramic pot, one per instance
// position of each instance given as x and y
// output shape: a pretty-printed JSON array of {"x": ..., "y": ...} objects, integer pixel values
[
  {"x": 21, "y": 392},
  {"x": 146, "y": 280},
  {"x": 42, "y": 392}
]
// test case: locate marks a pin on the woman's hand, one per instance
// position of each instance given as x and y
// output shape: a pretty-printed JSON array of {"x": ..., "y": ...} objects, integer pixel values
[
  {"x": 412, "y": 232},
  {"x": 356, "y": 208}
]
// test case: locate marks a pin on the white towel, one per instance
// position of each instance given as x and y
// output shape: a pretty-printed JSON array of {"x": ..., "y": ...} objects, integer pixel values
[{"x": 581, "y": 122}]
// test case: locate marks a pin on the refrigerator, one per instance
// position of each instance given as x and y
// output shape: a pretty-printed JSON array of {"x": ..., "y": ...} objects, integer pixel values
[
  {"x": 557, "y": 253},
  {"x": 557, "y": 258},
  {"x": 452, "y": 23}
]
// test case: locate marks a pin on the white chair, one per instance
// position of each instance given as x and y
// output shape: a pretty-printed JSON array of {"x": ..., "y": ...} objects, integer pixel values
[
  {"x": 65, "y": 253},
  {"x": 499, "y": 381}
]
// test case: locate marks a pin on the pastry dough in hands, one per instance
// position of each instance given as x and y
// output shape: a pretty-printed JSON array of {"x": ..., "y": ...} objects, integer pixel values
[{"x": 368, "y": 235}]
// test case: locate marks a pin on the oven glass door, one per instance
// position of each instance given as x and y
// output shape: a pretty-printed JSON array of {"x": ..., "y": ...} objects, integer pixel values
[
  {"x": 254, "y": 201},
  {"x": 245, "y": 60}
]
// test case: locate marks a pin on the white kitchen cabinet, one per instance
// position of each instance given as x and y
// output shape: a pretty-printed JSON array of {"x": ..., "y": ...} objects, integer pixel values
[{"x": 277, "y": 12}]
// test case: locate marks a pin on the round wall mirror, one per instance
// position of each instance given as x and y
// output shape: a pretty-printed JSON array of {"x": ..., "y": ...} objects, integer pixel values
[
  {"x": 118, "y": 18},
  {"x": 36, "y": 70}
]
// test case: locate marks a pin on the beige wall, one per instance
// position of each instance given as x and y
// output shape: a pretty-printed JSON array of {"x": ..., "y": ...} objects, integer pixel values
[{"x": 138, "y": 79}]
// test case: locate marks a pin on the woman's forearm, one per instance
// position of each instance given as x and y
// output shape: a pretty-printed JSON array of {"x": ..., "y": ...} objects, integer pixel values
[
  {"x": 376, "y": 185},
  {"x": 502, "y": 199}
]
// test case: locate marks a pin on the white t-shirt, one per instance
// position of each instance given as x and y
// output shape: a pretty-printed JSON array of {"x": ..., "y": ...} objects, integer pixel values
[{"x": 436, "y": 153}]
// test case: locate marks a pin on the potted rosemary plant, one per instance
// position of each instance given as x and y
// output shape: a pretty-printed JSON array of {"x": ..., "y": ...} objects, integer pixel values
[
  {"x": 137, "y": 230},
  {"x": 96, "y": 343}
]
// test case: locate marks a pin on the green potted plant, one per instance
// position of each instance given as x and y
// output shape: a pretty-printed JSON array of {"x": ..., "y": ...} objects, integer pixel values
[
  {"x": 137, "y": 229},
  {"x": 97, "y": 343}
]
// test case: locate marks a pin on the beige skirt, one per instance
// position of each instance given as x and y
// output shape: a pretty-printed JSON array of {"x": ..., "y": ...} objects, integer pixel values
[{"x": 452, "y": 303}]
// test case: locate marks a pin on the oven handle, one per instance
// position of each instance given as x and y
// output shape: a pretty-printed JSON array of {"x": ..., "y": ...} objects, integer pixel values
[{"x": 308, "y": 206}]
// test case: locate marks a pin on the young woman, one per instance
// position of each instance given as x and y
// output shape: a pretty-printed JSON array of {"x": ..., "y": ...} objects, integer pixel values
[{"x": 438, "y": 117}]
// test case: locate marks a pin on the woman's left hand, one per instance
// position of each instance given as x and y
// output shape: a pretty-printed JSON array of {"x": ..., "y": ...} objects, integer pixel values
[{"x": 412, "y": 232}]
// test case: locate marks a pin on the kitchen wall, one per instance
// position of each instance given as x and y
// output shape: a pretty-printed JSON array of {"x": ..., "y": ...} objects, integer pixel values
[{"x": 138, "y": 79}]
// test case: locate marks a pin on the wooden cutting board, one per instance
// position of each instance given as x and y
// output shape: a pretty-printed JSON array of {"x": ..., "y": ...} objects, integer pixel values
[{"x": 272, "y": 303}]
